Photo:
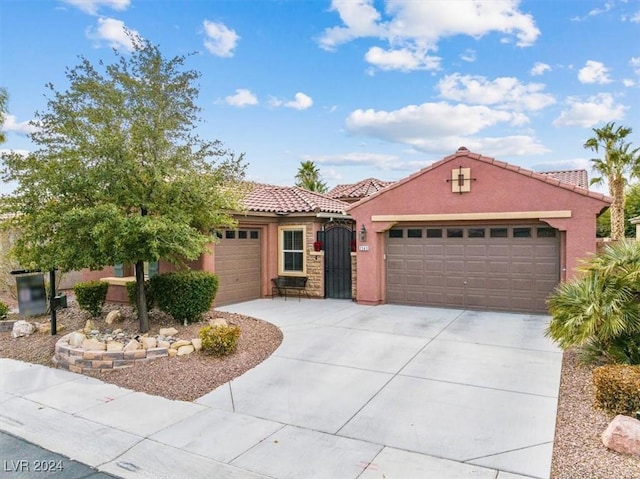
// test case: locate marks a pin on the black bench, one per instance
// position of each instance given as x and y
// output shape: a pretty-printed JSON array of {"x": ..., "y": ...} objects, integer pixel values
[{"x": 284, "y": 284}]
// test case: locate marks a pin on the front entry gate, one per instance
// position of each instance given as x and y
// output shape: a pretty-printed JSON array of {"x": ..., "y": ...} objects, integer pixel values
[{"x": 337, "y": 260}]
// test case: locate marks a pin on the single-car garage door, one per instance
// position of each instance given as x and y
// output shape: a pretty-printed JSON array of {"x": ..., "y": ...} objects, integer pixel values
[
  {"x": 509, "y": 268},
  {"x": 237, "y": 263}
]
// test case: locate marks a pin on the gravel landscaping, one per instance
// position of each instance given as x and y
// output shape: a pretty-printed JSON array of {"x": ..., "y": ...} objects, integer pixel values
[{"x": 578, "y": 451}]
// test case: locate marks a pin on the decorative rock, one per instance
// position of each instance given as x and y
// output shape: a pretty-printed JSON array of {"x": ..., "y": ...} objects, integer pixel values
[
  {"x": 22, "y": 328},
  {"x": 113, "y": 317},
  {"x": 178, "y": 344},
  {"x": 89, "y": 326},
  {"x": 218, "y": 322},
  {"x": 173, "y": 353},
  {"x": 43, "y": 327},
  {"x": 132, "y": 345},
  {"x": 149, "y": 342},
  {"x": 76, "y": 338},
  {"x": 197, "y": 343},
  {"x": 93, "y": 345},
  {"x": 164, "y": 344},
  {"x": 168, "y": 331},
  {"x": 623, "y": 435},
  {"x": 115, "y": 346},
  {"x": 184, "y": 350}
]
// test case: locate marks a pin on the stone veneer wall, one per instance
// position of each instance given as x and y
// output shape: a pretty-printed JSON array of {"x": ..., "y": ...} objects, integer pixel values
[
  {"x": 315, "y": 274},
  {"x": 354, "y": 276},
  {"x": 80, "y": 360}
]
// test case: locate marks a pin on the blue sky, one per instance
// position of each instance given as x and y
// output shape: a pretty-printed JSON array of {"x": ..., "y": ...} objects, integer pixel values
[{"x": 361, "y": 87}]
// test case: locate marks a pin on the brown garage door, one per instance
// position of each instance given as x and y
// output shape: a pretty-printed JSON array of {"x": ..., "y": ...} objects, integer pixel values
[
  {"x": 509, "y": 268},
  {"x": 237, "y": 256}
]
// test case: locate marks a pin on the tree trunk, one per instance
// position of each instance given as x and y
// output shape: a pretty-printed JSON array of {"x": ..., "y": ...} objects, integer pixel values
[
  {"x": 616, "y": 187},
  {"x": 141, "y": 300}
]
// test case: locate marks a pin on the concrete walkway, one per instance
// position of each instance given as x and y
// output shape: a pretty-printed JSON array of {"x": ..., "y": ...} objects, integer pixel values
[{"x": 352, "y": 392}]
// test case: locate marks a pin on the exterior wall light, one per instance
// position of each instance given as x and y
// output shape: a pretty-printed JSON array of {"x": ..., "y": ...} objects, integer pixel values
[{"x": 363, "y": 234}]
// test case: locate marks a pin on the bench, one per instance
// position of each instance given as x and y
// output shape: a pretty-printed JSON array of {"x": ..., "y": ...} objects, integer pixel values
[{"x": 284, "y": 284}]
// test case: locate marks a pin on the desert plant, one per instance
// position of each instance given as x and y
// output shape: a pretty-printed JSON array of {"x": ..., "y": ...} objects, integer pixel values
[
  {"x": 91, "y": 296},
  {"x": 219, "y": 340},
  {"x": 616, "y": 388},
  {"x": 148, "y": 294},
  {"x": 600, "y": 311},
  {"x": 4, "y": 310},
  {"x": 185, "y": 295}
]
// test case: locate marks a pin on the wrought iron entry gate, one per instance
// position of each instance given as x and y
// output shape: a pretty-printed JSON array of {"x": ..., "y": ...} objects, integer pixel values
[{"x": 337, "y": 260}]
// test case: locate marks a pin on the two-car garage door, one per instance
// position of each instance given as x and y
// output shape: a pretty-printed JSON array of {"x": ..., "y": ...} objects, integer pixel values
[{"x": 499, "y": 267}]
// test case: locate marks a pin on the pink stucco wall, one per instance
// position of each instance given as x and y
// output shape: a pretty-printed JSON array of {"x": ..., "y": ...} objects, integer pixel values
[{"x": 497, "y": 187}]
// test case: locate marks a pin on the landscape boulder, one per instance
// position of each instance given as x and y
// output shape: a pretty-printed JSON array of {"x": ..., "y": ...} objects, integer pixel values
[
  {"x": 113, "y": 317},
  {"x": 623, "y": 435},
  {"x": 22, "y": 328}
]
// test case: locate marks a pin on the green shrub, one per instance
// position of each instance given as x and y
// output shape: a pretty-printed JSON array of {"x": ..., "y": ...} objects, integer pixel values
[
  {"x": 148, "y": 294},
  {"x": 219, "y": 340},
  {"x": 616, "y": 388},
  {"x": 4, "y": 310},
  {"x": 185, "y": 295},
  {"x": 91, "y": 296}
]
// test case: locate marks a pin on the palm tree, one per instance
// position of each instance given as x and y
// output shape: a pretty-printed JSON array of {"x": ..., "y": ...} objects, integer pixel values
[
  {"x": 308, "y": 177},
  {"x": 4, "y": 98},
  {"x": 618, "y": 162}
]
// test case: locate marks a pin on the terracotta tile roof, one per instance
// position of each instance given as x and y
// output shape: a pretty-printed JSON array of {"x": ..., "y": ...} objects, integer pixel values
[
  {"x": 574, "y": 177},
  {"x": 290, "y": 199},
  {"x": 462, "y": 151},
  {"x": 358, "y": 190}
]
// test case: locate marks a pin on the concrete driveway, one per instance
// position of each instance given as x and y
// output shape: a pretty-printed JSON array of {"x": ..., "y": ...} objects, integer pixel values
[{"x": 352, "y": 392}]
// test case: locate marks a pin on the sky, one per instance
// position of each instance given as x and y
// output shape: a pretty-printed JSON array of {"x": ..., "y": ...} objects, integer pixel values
[{"x": 363, "y": 88}]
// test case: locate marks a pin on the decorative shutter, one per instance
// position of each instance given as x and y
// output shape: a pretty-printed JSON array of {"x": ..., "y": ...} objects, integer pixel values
[
  {"x": 118, "y": 270},
  {"x": 154, "y": 268}
]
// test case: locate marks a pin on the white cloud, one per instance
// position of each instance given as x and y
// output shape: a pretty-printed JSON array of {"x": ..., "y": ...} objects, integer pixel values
[
  {"x": 595, "y": 109},
  {"x": 92, "y": 6},
  {"x": 402, "y": 59},
  {"x": 243, "y": 97},
  {"x": 370, "y": 160},
  {"x": 598, "y": 11},
  {"x": 469, "y": 55},
  {"x": 300, "y": 102},
  {"x": 114, "y": 33},
  {"x": 539, "y": 69},
  {"x": 220, "y": 41},
  {"x": 635, "y": 18},
  {"x": 504, "y": 92},
  {"x": 594, "y": 72},
  {"x": 21, "y": 128},
  {"x": 413, "y": 29},
  {"x": 442, "y": 127},
  {"x": 628, "y": 82},
  {"x": 635, "y": 64}
]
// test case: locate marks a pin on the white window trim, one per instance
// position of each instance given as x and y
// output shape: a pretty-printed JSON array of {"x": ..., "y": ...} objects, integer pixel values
[{"x": 281, "y": 230}]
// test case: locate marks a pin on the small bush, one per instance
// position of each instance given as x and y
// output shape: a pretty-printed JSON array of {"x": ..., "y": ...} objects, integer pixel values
[
  {"x": 616, "y": 388},
  {"x": 185, "y": 295},
  {"x": 91, "y": 296},
  {"x": 4, "y": 310},
  {"x": 148, "y": 295},
  {"x": 219, "y": 340}
]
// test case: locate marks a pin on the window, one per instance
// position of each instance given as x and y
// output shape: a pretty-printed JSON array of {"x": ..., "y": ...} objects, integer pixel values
[
  {"x": 476, "y": 232},
  {"x": 254, "y": 234},
  {"x": 414, "y": 233},
  {"x": 291, "y": 243},
  {"x": 242, "y": 234},
  {"x": 396, "y": 233},
  {"x": 522, "y": 232},
  {"x": 455, "y": 232},
  {"x": 499, "y": 232},
  {"x": 434, "y": 233},
  {"x": 546, "y": 232}
]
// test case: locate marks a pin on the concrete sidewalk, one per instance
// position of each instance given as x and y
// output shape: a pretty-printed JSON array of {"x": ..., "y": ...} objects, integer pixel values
[{"x": 352, "y": 392}]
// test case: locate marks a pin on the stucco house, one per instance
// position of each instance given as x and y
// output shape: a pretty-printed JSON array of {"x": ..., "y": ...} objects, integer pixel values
[{"x": 468, "y": 231}]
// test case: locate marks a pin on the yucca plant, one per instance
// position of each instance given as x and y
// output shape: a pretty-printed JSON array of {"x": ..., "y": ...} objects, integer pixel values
[{"x": 600, "y": 311}]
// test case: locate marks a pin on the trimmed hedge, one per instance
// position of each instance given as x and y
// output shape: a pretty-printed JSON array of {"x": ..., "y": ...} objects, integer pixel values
[
  {"x": 185, "y": 295},
  {"x": 148, "y": 294},
  {"x": 4, "y": 310},
  {"x": 91, "y": 296},
  {"x": 617, "y": 388},
  {"x": 219, "y": 340}
]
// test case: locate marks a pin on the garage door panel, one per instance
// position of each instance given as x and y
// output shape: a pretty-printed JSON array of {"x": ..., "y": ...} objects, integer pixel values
[
  {"x": 510, "y": 273},
  {"x": 237, "y": 264}
]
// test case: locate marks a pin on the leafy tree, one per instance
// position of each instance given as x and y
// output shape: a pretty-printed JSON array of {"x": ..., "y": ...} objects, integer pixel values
[
  {"x": 600, "y": 311},
  {"x": 619, "y": 161},
  {"x": 308, "y": 177},
  {"x": 4, "y": 99},
  {"x": 119, "y": 175}
]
